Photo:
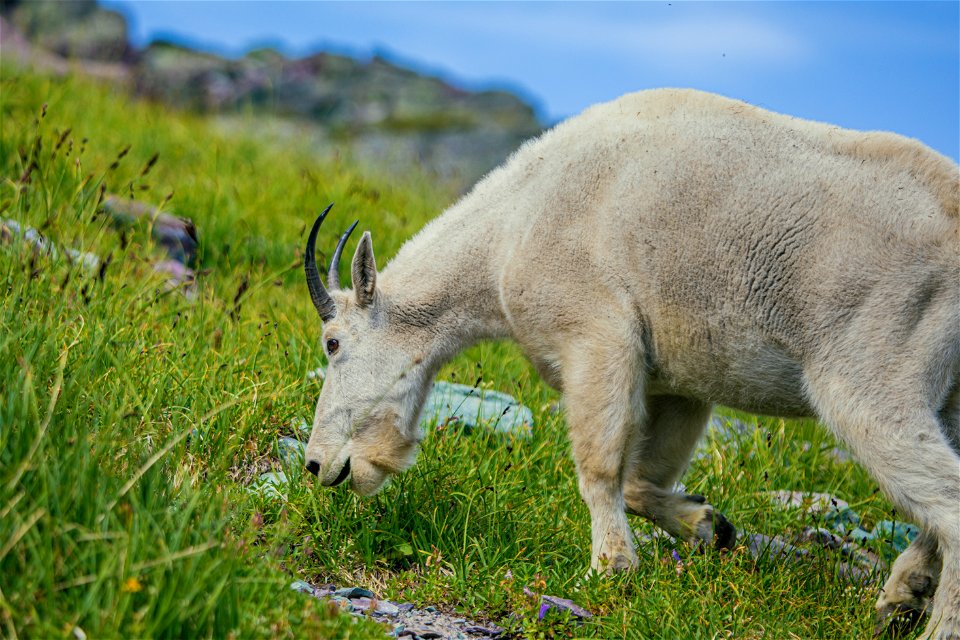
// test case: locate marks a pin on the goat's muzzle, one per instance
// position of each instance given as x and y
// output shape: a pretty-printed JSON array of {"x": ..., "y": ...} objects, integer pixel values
[{"x": 314, "y": 467}]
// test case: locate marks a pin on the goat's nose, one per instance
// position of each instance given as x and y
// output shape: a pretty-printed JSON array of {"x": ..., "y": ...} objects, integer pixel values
[{"x": 313, "y": 467}]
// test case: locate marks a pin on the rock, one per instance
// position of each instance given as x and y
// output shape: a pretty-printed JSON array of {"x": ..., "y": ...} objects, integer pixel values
[
  {"x": 386, "y": 608},
  {"x": 77, "y": 29},
  {"x": 354, "y": 592},
  {"x": 291, "y": 451},
  {"x": 843, "y": 520},
  {"x": 179, "y": 277},
  {"x": 88, "y": 261},
  {"x": 773, "y": 547},
  {"x": 562, "y": 604},
  {"x": 361, "y": 604},
  {"x": 426, "y": 634},
  {"x": 299, "y": 424},
  {"x": 812, "y": 502},
  {"x": 11, "y": 229},
  {"x": 270, "y": 484},
  {"x": 302, "y": 587},
  {"x": 476, "y": 630},
  {"x": 472, "y": 407},
  {"x": 177, "y": 235},
  {"x": 566, "y": 605}
]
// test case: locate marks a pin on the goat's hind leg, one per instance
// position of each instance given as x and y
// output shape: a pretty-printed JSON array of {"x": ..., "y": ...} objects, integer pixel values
[
  {"x": 916, "y": 573},
  {"x": 913, "y": 581},
  {"x": 909, "y": 455},
  {"x": 660, "y": 454}
]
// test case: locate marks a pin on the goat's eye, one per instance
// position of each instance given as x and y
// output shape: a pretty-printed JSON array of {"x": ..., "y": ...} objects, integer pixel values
[{"x": 332, "y": 346}]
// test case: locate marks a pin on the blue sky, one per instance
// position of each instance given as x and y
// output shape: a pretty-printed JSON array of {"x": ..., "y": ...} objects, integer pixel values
[{"x": 865, "y": 65}]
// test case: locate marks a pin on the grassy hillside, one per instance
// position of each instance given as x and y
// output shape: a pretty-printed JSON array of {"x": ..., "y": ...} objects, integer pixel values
[{"x": 132, "y": 419}]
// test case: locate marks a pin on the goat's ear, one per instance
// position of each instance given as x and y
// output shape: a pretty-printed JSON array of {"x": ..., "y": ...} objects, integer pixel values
[{"x": 364, "y": 271}]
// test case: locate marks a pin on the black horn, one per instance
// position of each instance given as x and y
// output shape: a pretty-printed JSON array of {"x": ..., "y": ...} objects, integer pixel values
[
  {"x": 333, "y": 274},
  {"x": 321, "y": 299}
]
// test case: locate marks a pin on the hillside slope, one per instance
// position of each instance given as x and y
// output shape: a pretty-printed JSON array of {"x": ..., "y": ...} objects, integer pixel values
[
  {"x": 375, "y": 111},
  {"x": 134, "y": 421}
]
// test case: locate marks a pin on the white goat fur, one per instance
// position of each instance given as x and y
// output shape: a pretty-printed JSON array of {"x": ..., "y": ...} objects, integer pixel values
[{"x": 670, "y": 250}]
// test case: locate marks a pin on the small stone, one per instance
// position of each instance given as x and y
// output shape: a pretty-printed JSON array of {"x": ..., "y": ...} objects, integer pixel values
[
  {"x": 431, "y": 609},
  {"x": 300, "y": 424},
  {"x": 354, "y": 592},
  {"x": 759, "y": 545},
  {"x": 473, "y": 407},
  {"x": 404, "y": 607},
  {"x": 460, "y": 621},
  {"x": 483, "y": 631},
  {"x": 813, "y": 502},
  {"x": 428, "y": 634},
  {"x": 567, "y": 605},
  {"x": 302, "y": 587},
  {"x": 88, "y": 260},
  {"x": 270, "y": 484},
  {"x": 361, "y": 604},
  {"x": 291, "y": 451},
  {"x": 386, "y": 608}
]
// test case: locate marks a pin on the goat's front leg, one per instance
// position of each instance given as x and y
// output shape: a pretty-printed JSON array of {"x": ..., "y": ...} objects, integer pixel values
[
  {"x": 661, "y": 452},
  {"x": 601, "y": 395}
]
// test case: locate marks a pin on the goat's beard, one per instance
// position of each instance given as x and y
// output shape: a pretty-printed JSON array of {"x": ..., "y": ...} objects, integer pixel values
[{"x": 379, "y": 453}]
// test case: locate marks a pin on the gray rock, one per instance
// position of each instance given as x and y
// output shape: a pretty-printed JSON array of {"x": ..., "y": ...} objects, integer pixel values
[
  {"x": 566, "y": 605},
  {"x": 472, "y": 407},
  {"x": 302, "y": 587},
  {"x": 177, "y": 235},
  {"x": 270, "y": 484},
  {"x": 354, "y": 592},
  {"x": 760, "y": 545},
  {"x": 77, "y": 29},
  {"x": 386, "y": 608},
  {"x": 291, "y": 451},
  {"x": 300, "y": 425},
  {"x": 812, "y": 502}
]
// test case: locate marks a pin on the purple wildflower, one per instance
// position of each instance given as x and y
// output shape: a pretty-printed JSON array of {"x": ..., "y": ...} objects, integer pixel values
[{"x": 544, "y": 607}]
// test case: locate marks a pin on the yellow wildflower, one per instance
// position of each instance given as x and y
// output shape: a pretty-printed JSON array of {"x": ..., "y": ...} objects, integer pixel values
[{"x": 132, "y": 585}]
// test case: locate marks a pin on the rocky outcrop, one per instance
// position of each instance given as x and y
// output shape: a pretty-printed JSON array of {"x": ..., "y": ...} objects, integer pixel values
[
  {"x": 77, "y": 29},
  {"x": 376, "y": 111}
]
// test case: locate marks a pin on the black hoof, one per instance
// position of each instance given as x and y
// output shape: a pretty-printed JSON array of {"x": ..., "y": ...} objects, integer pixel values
[
  {"x": 897, "y": 622},
  {"x": 724, "y": 533}
]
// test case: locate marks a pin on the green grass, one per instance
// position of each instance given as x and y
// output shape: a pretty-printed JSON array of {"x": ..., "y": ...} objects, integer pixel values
[{"x": 131, "y": 420}]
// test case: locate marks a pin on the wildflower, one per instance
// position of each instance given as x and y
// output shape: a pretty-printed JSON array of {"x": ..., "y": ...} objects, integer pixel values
[
  {"x": 676, "y": 557},
  {"x": 132, "y": 585}
]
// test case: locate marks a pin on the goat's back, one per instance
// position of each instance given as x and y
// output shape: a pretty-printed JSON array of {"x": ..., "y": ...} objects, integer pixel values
[{"x": 742, "y": 243}]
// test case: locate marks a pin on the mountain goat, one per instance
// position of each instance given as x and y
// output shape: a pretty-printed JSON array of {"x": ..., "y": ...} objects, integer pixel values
[{"x": 661, "y": 253}]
